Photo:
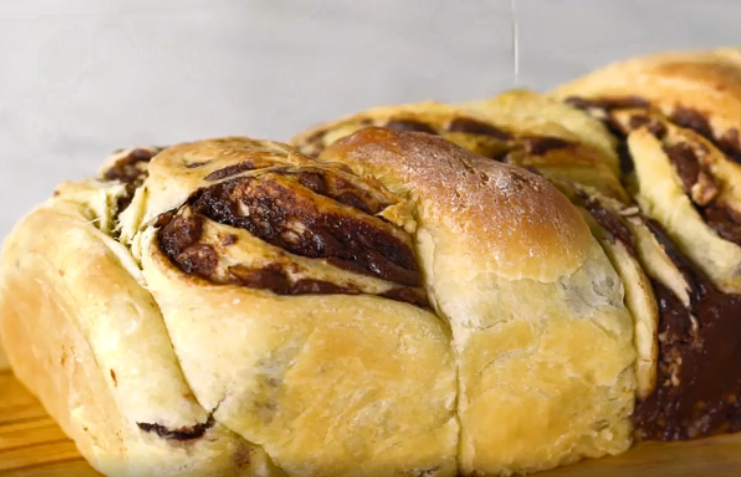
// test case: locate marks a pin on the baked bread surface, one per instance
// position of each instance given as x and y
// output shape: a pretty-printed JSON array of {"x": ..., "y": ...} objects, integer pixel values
[
  {"x": 400, "y": 306},
  {"x": 543, "y": 339},
  {"x": 679, "y": 114}
]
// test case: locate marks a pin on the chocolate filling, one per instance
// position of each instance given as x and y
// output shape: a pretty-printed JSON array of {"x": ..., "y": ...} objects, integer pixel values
[
  {"x": 407, "y": 295},
  {"x": 654, "y": 126},
  {"x": 275, "y": 279},
  {"x": 181, "y": 433},
  {"x": 410, "y": 125},
  {"x": 542, "y": 145},
  {"x": 698, "y": 183},
  {"x": 195, "y": 165},
  {"x": 473, "y": 126},
  {"x": 685, "y": 163},
  {"x": 313, "y": 145},
  {"x": 289, "y": 219},
  {"x": 337, "y": 188},
  {"x": 699, "y": 378},
  {"x": 605, "y": 106},
  {"x": 130, "y": 171},
  {"x": 229, "y": 171},
  {"x": 725, "y": 221},
  {"x": 608, "y": 104},
  {"x": 692, "y": 119},
  {"x": 611, "y": 222},
  {"x": 702, "y": 189},
  {"x": 282, "y": 218}
]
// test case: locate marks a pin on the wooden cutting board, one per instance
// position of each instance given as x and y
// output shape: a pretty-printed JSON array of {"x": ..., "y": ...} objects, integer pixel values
[{"x": 32, "y": 445}]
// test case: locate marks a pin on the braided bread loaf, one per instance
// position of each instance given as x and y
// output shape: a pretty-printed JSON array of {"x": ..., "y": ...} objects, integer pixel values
[{"x": 488, "y": 288}]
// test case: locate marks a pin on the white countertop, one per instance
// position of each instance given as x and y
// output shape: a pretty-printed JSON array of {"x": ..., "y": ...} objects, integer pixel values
[{"x": 79, "y": 78}]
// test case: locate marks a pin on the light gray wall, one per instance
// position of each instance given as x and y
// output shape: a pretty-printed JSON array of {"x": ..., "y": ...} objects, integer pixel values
[{"x": 79, "y": 78}]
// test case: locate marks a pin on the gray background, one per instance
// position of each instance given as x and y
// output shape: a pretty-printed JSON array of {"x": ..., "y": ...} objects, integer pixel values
[{"x": 81, "y": 78}]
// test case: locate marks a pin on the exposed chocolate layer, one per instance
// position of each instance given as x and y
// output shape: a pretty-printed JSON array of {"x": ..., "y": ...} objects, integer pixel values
[
  {"x": 277, "y": 214},
  {"x": 474, "y": 126},
  {"x": 408, "y": 295},
  {"x": 410, "y": 125},
  {"x": 699, "y": 378},
  {"x": 539, "y": 146},
  {"x": 313, "y": 145},
  {"x": 274, "y": 208},
  {"x": 179, "y": 232},
  {"x": 608, "y": 103},
  {"x": 196, "y": 164},
  {"x": 229, "y": 171},
  {"x": 181, "y": 433},
  {"x": 703, "y": 191},
  {"x": 611, "y": 222},
  {"x": 275, "y": 279},
  {"x": 334, "y": 186},
  {"x": 602, "y": 109},
  {"x": 655, "y": 127},
  {"x": 699, "y": 183},
  {"x": 132, "y": 171},
  {"x": 128, "y": 169},
  {"x": 725, "y": 221},
  {"x": 692, "y": 119},
  {"x": 685, "y": 163}
]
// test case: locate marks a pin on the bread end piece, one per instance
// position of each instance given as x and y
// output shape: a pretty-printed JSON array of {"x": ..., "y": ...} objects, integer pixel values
[{"x": 86, "y": 339}]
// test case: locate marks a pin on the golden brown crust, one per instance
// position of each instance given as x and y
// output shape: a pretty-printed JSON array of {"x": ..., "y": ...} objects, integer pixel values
[
  {"x": 708, "y": 80},
  {"x": 310, "y": 273},
  {"x": 518, "y": 127},
  {"x": 4, "y": 364},
  {"x": 677, "y": 116},
  {"x": 516, "y": 217},
  {"x": 89, "y": 341},
  {"x": 559, "y": 141},
  {"x": 539, "y": 325},
  {"x": 462, "y": 126},
  {"x": 533, "y": 114},
  {"x": 680, "y": 115},
  {"x": 700, "y": 89},
  {"x": 224, "y": 234}
]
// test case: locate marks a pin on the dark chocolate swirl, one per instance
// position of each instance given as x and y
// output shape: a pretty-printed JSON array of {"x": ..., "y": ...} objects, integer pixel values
[{"x": 310, "y": 212}]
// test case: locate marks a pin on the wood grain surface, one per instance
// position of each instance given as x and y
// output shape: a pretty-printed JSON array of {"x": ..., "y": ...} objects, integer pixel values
[{"x": 32, "y": 445}]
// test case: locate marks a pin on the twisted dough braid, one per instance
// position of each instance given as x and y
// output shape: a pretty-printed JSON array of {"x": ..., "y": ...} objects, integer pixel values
[{"x": 489, "y": 288}]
